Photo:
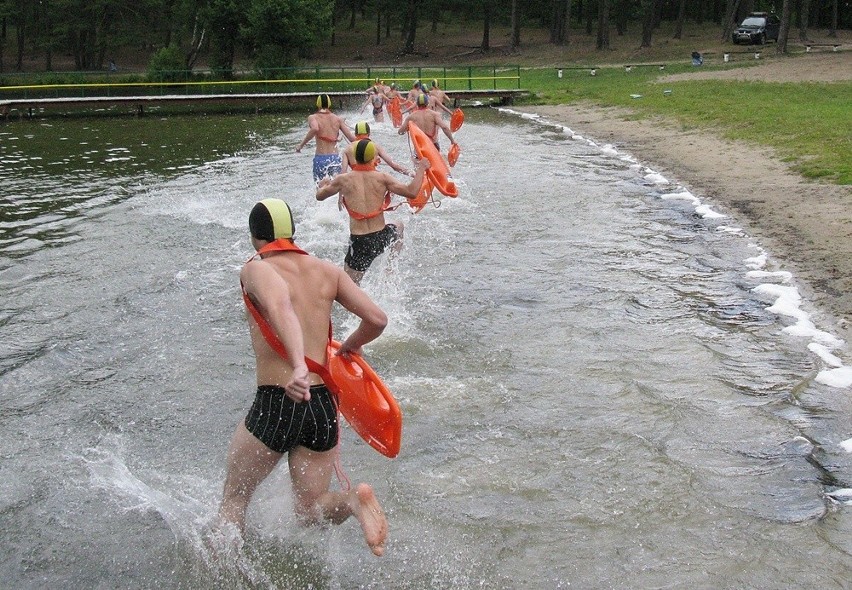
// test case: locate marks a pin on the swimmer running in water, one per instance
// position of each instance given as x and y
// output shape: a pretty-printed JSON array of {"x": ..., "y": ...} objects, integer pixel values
[
  {"x": 294, "y": 413},
  {"x": 326, "y": 127},
  {"x": 362, "y": 131},
  {"x": 366, "y": 195},
  {"x": 428, "y": 120}
]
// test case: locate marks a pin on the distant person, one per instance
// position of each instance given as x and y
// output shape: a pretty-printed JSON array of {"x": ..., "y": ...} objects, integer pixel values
[
  {"x": 366, "y": 195},
  {"x": 377, "y": 98},
  {"x": 293, "y": 412},
  {"x": 438, "y": 98},
  {"x": 326, "y": 127},
  {"x": 428, "y": 120},
  {"x": 362, "y": 131},
  {"x": 697, "y": 59}
]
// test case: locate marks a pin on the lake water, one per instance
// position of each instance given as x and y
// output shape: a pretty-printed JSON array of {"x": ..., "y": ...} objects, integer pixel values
[{"x": 605, "y": 382}]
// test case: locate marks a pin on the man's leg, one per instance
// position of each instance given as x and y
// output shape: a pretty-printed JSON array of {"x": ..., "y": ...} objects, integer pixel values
[
  {"x": 249, "y": 462},
  {"x": 311, "y": 475}
]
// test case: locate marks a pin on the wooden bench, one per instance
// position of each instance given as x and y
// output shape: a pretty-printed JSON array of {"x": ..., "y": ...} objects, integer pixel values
[
  {"x": 628, "y": 67},
  {"x": 591, "y": 69},
  {"x": 728, "y": 54},
  {"x": 834, "y": 46}
]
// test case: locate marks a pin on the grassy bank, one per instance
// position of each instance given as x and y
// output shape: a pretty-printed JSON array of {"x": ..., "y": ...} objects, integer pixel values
[{"x": 808, "y": 124}]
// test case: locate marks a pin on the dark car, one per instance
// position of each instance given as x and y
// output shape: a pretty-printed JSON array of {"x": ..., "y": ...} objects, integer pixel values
[{"x": 758, "y": 27}]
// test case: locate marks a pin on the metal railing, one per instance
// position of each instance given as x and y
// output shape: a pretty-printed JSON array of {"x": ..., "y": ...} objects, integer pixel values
[{"x": 279, "y": 80}]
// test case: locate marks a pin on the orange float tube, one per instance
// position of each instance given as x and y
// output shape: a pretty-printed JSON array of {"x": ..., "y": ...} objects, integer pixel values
[
  {"x": 438, "y": 173},
  {"x": 395, "y": 111},
  {"x": 423, "y": 197},
  {"x": 365, "y": 401},
  {"x": 456, "y": 120},
  {"x": 453, "y": 154}
]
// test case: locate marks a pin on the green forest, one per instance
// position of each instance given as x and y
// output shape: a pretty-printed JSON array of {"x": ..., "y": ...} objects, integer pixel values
[{"x": 176, "y": 34}]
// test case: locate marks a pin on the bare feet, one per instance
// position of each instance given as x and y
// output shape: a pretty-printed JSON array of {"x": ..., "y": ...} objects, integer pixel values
[{"x": 373, "y": 522}]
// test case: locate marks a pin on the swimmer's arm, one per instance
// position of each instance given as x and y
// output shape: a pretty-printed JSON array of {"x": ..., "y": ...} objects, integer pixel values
[
  {"x": 412, "y": 189},
  {"x": 308, "y": 136},
  {"x": 347, "y": 132},
  {"x": 445, "y": 127},
  {"x": 271, "y": 294},
  {"x": 441, "y": 104},
  {"x": 355, "y": 300},
  {"x": 386, "y": 157},
  {"x": 328, "y": 187},
  {"x": 404, "y": 127}
]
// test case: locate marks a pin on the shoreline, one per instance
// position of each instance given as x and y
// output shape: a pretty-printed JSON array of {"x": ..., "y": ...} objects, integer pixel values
[{"x": 805, "y": 227}]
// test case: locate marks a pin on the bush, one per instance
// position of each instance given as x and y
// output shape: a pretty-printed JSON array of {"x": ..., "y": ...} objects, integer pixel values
[{"x": 167, "y": 65}]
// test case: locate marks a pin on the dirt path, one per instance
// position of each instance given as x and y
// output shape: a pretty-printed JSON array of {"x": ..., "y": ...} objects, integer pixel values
[{"x": 805, "y": 226}]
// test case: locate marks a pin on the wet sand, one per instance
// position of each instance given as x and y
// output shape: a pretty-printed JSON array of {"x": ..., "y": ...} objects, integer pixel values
[{"x": 805, "y": 226}]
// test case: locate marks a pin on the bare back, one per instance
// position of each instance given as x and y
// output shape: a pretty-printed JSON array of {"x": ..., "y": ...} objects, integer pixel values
[
  {"x": 313, "y": 285},
  {"x": 364, "y": 192},
  {"x": 327, "y": 126},
  {"x": 425, "y": 119}
]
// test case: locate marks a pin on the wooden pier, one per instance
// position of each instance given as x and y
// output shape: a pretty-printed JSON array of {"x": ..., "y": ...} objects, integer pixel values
[{"x": 139, "y": 105}]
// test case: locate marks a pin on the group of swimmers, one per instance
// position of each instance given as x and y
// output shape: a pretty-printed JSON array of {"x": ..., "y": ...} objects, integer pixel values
[
  {"x": 290, "y": 295},
  {"x": 365, "y": 192}
]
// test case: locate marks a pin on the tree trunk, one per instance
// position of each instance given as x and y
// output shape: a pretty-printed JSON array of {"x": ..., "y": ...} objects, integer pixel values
[
  {"x": 516, "y": 26},
  {"x": 832, "y": 32},
  {"x": 603, "y": 24},
  {"x": 486, "y": 28},
  {"x": 621, "y": 14},
  {"x": 566, "y": 27},
  {"x": 412, "y": 27},
  {"x": 19, "y": 29},
  {"x": 784, "y": 33},
  {"x": 648, "y": 22},
  {"x": 556, "y": 21},
  {"x": 803, "y": 23},
  {"x": 728, "y": 24},
  {"x": 681, "y": 14},
  {"x": 436, "y": 16},
  {"x": 589, "y": 14},
  {"x": 378, "y": 25},
  {"x": 699, "y": 11},
  {"x": 352, "y": 16}
]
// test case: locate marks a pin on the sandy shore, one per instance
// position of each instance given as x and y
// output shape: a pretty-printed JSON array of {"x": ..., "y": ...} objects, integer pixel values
[{"x": 805, "y": 226}]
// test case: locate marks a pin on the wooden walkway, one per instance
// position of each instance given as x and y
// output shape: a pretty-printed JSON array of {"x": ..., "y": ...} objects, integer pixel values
[{"x": 28, "y": 107}]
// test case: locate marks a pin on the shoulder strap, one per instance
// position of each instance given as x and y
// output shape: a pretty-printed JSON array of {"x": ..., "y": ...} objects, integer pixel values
[{"x": 385, "y": 206}]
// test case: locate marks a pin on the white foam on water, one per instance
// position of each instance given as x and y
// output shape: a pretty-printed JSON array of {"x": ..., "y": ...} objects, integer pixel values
[{"x": 786, "y": 300}]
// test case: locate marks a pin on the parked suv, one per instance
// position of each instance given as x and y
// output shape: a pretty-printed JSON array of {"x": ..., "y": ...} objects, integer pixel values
[{"x": 757, "y": 28}]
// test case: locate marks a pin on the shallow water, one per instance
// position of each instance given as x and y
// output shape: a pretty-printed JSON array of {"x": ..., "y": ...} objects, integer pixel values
[{"x": 605, "y": 382}]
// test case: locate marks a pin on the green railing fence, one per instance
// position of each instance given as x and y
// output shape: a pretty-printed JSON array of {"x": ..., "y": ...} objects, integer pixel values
[{"x": 279, "y": 80}]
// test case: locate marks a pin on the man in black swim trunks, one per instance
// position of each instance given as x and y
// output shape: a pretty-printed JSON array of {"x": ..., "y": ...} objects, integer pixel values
[
  {"x": 365, "y": 194},
  {"x": 293, "y": 412}
]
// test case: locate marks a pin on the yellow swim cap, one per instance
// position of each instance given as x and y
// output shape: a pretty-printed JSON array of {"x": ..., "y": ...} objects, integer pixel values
[
  {"x": 365, "y": 151},
  {"x": 323, "y": 101},
  {"x": 271, "y": 219},
  {"x": 362, "y": 128},
  {"x": 434, "y": 83},
  {"x": 422, "y": 100}
]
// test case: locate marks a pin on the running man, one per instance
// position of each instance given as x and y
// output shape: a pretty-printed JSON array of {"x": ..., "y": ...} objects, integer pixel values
[
  {"x": 438, "y": 98},
  {"x": 326, "y": 127},
  {"x": 293, "y": 411},
  {"x": 362, "y": 131},
  {"x": 428, "y": 120},
  {"x": 366, "y": 195}
]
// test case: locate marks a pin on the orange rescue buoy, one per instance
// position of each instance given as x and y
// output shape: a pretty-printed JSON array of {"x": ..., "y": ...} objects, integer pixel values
[
  {"x": 438, "y": 173},
  {"x": 453, "y": 154},
  {"x": 395, "y": 111},
  {"x": 456, "y": 120},
  {"x": 365, "y": 401}
]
